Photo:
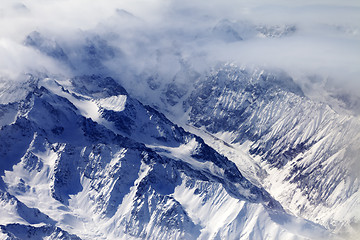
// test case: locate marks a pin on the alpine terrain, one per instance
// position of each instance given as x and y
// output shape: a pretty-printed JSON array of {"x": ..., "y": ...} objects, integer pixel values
[{"x": 165, "y": 123}]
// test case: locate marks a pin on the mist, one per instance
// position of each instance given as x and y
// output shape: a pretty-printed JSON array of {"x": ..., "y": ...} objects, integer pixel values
[{"x": 133, "y": 40}]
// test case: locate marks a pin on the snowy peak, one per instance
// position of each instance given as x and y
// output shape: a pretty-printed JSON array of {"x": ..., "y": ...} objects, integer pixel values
[
  {"x": 46, "y": 46},
  {"x": 293, "y": 138},
  {"x": 96, "y": 86},
  {"x": 18, "y": 231},
  {"x": 100, "y": 164},
  {"x": 236, "y": 93},
  {"x": 233, "y": 31}
]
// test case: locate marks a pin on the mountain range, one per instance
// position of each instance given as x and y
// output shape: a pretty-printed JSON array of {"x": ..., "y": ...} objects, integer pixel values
[{"x": 234, "y": 153}]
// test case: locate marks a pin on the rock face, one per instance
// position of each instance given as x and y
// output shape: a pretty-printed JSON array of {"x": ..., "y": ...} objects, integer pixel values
[
  {"x": 17, "y": 231},
  {"x": 80, "y": 158},
  {"x": 307, "y": 149}
]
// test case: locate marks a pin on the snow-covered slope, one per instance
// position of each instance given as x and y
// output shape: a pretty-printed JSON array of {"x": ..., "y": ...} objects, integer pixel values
[
  {"x": 303, "y": 152},
  {"x": 81, "y": 157}
]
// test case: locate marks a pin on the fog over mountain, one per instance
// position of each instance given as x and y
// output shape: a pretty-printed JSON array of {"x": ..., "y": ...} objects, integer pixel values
[
  {"x": 322, "y": 38},
  {"x": 157, "y": 119}
]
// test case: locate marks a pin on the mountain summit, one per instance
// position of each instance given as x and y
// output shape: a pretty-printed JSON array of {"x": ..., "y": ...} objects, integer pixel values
[{"x": 81, "y": 158}]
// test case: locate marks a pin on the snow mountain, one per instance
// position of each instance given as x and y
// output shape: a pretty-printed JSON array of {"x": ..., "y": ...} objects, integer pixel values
[
  {"x": 301, "y": 151},
  {"x": 82, "y": 159}
]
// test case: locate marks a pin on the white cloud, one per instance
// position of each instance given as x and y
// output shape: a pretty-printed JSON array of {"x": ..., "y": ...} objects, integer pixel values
[{"x": 159, "y": 35}]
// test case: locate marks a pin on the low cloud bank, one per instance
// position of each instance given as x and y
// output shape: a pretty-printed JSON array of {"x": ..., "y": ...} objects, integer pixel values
[{"x": 137, "y": 39}]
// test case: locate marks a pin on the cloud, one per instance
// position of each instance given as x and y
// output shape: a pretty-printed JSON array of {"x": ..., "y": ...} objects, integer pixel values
[
  {"x": 158, "y": 37},
  {"x": 17, "y": 59}
]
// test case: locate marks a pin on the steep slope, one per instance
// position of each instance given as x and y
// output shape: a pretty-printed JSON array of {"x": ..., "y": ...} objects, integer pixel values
[
  {"x": 99, "y": 164},
  {"x": 308, "y": 151},
  {"x": 17, "y": 231}
]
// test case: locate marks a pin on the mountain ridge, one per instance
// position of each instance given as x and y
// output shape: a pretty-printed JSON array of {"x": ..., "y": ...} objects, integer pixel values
[{"x": 79, "y": 156}]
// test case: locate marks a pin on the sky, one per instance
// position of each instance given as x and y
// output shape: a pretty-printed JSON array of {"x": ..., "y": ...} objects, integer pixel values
[{"x": 146, "y": 37}]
